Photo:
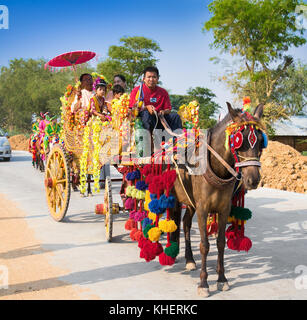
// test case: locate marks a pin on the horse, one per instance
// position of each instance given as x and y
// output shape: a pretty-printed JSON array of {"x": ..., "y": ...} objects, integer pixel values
[{"x": 213, "y": 191}]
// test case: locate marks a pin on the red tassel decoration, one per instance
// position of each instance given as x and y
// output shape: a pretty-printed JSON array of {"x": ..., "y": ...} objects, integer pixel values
[
  {"x": 132, "y": 234},
  {"x": 130, "y": 224},
  {"x": 166, "y": 260},
  {"x": 245, "y": 244}
]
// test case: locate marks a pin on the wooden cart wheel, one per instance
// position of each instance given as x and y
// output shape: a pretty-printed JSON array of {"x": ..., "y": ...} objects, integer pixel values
[
  {"x": 57, "y": 182},
  {"x": 108, "y": 207}
]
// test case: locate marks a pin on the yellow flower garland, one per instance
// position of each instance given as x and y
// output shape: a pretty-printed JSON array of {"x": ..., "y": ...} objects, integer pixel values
[
  {"x": 83, "y": 159},
  {"x": 97, "y": 126},
  {"x": 190, "y": 113}
]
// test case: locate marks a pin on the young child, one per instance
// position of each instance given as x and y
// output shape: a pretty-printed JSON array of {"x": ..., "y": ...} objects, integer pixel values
[
  {"x": 97, "y": 106},
  {"x": 118, "y": 91}
]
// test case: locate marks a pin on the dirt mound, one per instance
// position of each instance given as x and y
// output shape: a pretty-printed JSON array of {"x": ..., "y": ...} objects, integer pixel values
[
  {"x": 283, "y": 168},
  {"x": 19, "y": 142}
]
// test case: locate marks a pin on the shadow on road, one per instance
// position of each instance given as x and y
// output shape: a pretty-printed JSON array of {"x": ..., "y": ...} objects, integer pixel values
[
  {"x": 83, "y": 277},
  {"x": 279, "y": 245}
]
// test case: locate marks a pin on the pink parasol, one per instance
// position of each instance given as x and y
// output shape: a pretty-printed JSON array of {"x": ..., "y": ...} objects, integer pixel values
[{"x": 70, "y": 59}]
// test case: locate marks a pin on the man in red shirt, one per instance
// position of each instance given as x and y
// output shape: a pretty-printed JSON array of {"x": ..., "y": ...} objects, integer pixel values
[{"x": 152, "y": 97}]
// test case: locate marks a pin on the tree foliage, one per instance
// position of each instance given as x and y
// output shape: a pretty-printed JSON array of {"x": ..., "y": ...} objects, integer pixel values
[
  {"x": 129, "y": 58},
  {"x": 207, "y": 106},
  {"x": 259, "y": 33},
  {"x": 27, "y": 88}
]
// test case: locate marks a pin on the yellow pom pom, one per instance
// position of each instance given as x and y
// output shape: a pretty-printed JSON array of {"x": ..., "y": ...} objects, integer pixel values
[
  {"x": 129, "y": 191},
  {"x": 154, "y": 234},
  {"x": 140, "y": 195},
  {"x": 152, "y": 216},
  {"x": 167, "y": 226},
  {"x": 147, "y": 200},
  {"x": 134, "y": 192}
]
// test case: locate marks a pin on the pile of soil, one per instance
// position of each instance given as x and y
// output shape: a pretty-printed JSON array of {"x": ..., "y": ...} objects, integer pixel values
[
  {"x": 19, "y": 142},
  {"x": 283, "y": 168}
]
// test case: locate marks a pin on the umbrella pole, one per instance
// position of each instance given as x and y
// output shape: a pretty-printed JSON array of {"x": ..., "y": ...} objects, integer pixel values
[{"x": 75, "y": 72}]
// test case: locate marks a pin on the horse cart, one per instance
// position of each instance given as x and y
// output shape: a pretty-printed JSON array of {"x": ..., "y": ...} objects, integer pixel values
[{"x": 154, "y": 188}]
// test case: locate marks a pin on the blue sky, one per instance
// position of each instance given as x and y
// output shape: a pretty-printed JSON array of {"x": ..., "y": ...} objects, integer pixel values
[{"x": 44, "y": 29}]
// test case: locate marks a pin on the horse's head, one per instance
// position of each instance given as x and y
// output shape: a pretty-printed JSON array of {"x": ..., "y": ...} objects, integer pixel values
[{"x": 247, "y": 139}]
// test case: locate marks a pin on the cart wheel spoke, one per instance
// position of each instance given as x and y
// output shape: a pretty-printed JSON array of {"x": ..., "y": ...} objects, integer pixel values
[{"x": 58, "y": 188}]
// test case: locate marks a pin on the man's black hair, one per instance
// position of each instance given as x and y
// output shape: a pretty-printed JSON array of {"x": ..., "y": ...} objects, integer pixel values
[
  {"x": 151, "y": 69},
  {"x": 84, "y": 74},
  {"x": 123, "y": 78},
  {"x": 118, "y": 89}
]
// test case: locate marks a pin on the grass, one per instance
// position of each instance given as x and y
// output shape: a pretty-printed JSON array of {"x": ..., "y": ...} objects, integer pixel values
[{"x": 304, "y": 153}]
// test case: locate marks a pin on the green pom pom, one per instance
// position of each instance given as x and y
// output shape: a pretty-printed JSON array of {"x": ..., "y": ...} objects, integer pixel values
[
  {"x": 146, "y": 229},
  {"x": 240, "y": 213},
  {"x": 172, "y": 250}
]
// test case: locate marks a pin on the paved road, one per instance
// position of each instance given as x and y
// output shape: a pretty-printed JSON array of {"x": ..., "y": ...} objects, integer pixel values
[{"x": 278, "y": 230}]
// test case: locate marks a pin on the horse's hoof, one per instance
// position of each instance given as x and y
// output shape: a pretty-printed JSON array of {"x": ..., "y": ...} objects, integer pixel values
[
  {"x": 190, "y": 266},
  {"x": 203, "y": 292},
  {"x": 222, "y": 286},
  {"x": 90, "y": 194}
]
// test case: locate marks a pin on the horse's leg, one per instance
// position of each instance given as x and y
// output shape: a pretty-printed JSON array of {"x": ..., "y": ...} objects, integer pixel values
[
  {"x": 175, "y": 214},
  {"x": 203, "y": 288},
  {"x": 222, "y": 283},
  {"x": 187, "y": 223}
]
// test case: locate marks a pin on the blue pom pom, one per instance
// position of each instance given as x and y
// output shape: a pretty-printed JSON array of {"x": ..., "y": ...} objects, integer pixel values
[
  {"x": 171, "y": 202},
  {"x": 163, "y": 202},
  {"x": 141, "y": 185},
  {"x": 153, "y": 196},
  {"x": 145, "y": 222},
  {"x": 137, "y": 174},
  {"x": 128, "y": 176},
  {"x": 154, "y": 206}
]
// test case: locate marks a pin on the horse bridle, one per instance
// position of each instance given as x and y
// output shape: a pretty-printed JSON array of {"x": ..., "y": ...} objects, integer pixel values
[{"x": 247, "y": 161}]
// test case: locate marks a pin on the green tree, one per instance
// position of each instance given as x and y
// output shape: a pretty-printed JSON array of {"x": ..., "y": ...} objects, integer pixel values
[
  {"x": 130, "y": 58},
  {"x": 291, "y": 91},
  {"x": 27, "y": 88},
  {"x": 259, "y": 33},
  {"x": 207, "y": 106}
]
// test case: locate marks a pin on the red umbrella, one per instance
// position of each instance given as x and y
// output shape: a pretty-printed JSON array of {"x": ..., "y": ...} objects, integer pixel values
[{"x": 70, "y": 59}]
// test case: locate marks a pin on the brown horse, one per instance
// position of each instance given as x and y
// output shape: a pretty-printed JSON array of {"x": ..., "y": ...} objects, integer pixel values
[{"x": 213, "y": 192}]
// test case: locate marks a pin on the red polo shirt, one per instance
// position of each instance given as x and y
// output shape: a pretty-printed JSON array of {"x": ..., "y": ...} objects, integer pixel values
[{"x": 157, "y": 97}]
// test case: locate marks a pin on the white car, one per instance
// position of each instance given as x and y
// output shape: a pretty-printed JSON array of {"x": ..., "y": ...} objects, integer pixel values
[{"x": 5, "y": 147}]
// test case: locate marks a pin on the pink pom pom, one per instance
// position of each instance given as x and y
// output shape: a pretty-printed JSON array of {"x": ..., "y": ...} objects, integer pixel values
[
  {"x": 139, "y": 216},
  {"x": 132, "y": 214},
  {"x": 129, "y": 204}
]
